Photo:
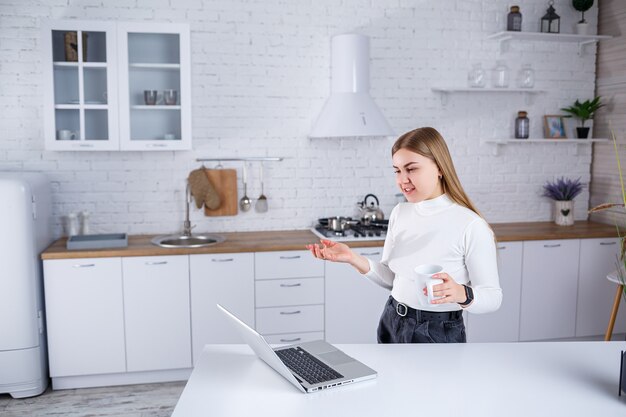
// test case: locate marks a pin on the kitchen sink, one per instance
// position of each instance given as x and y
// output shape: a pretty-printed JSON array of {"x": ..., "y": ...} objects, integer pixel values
[{"x": 187, "y": 241}]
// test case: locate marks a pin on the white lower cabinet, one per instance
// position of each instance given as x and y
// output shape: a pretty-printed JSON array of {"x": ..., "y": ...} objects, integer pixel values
[
  {"x": 85, "y": 316},
  {"x": 353, "y": 303},
  {"x": 289, "y": 292},
  {"x": 598, "y": 258},
  {"x": 288, "y": 339},
  {"x": 148, "y": 318},
  {"x": 156, "y": 312},
  {"x": 295, "y": 319},
  {"x": 502, "y": 325},
  {"x": 549, "y": 289},
  {"x": 227, "y": 279},
  {"x": 289, "y": 296}
]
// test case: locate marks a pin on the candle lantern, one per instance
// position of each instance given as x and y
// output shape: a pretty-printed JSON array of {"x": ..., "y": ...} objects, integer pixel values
[{"x": 551, "y": 22}]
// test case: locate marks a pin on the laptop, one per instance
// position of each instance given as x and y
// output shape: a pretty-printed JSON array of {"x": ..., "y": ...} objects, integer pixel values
[{"x": 310, "y": 366}]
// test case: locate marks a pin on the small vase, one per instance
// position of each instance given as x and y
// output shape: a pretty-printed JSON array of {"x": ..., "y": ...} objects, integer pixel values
[
  {"x": 581, "y": 28},
  {"x": 582, "y": 132},
  {"x": 564, "y": 213}
]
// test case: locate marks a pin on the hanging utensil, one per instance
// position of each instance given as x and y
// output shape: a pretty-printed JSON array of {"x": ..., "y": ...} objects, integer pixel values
[
  {"x": 245, "y": 203},
  {"x": 261, "y": 204}
]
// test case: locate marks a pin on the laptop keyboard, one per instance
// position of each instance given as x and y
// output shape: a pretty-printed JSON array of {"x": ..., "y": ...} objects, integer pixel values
[{"x": 307, "y": 366}]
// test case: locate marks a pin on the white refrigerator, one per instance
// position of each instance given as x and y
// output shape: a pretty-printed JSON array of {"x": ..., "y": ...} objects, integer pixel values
[{"x": 25, "y": 231}]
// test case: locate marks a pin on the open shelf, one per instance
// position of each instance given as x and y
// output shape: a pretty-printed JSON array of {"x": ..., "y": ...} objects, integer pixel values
[
  {"x": 505, "y": 36},
  {"x": 445, "y": 91},
  {"x": 508, "y": 141},
  {"x": 155, "y": 107},
  {"x": 155, "y": 66}
]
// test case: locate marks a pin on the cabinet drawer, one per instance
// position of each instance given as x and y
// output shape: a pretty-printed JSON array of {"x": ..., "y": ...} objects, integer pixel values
[
  {"x": 289, "y": 292},
  {"x": 291, "y": 338},
  {"x": 288, "y": 264},
  {"x": 290, "y": 319}
]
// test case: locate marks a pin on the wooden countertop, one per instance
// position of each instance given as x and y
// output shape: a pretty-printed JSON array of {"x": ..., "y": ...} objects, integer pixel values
[
  {"x": 283, "y": 240},
  {"x": 508, "y": 232}
]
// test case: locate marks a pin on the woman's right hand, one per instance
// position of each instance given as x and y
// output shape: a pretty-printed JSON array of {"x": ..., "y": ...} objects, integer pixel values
[{"x": 331, "y": 251}]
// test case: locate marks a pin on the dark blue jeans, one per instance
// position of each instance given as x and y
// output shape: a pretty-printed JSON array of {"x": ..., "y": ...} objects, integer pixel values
[{"x": 394, "y": 328}]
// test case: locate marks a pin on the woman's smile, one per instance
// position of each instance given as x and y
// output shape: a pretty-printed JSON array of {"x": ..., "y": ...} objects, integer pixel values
[{"x": 407, "y": 189}]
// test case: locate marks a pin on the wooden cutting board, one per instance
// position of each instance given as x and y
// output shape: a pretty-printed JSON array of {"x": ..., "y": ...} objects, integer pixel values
[{"x": 225, "y": 183}]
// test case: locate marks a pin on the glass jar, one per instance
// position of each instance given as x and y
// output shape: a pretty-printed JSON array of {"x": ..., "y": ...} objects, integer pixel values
[
  {"x": 526, "y": 77},
  {"x": 514, "y": 20},
  {"x": 476, "y": 77},
  {"x": 522, "y": 125},
  {"x": 500, "y": 75}
]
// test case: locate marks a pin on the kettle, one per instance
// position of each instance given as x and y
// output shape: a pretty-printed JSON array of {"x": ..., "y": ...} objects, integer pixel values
[{"x": 370, "y": 212}]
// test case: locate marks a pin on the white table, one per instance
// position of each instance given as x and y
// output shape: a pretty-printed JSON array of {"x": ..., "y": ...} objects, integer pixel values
[{"x": 473, "y": 379}]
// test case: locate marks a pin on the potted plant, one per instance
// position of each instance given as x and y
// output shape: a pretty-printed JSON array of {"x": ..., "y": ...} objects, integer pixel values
[
  {"x": 621, "y": 259},
  {"x": 563, "y": 191},
  {"x": 583, "y": 112},
  {"x": 582, "y": 6}
]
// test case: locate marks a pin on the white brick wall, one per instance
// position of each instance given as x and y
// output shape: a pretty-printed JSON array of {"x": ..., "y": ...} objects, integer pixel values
[{"x": 260, "y": 76}]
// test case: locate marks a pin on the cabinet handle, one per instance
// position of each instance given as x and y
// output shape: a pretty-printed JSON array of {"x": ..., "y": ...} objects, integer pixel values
[
  {"x": 290, "y": 285},
  {"x": 84, "y": 265},
  {"x": 607, "y": 243},
  {"x": 156, "y": 263},
  {"x": 222, "y": 260},
  {"x": 295, "y": 339},
  {"x": 556, "y": 245},
  {"x": 288, "y": 313},
  {"x": 369, "y": 254},
  {"x": 290, "y": 257},
  {"x": 85, "y": 145},
  {"x": 159, "y": 145},
  {"x": 501, "y": 247}
]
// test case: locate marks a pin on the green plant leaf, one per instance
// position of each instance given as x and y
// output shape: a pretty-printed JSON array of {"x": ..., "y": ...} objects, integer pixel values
[{"x": 585, "y": 110}]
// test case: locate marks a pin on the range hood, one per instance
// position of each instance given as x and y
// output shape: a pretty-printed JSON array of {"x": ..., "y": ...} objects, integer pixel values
[{"x": 350, "y": 111}]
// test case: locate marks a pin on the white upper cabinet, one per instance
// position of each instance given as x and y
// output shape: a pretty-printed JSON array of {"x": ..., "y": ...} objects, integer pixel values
[
  {"x": 95, "y": 77},
  {"x": 80, "y": 85},
  {"x": 154, "y": 59}
]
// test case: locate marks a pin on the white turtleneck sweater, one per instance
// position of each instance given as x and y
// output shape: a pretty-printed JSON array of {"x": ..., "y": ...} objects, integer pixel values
[{"x": 442, "y": 232}]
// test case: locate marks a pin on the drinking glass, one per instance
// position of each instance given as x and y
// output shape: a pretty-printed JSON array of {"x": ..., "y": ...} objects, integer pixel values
[
  {"x": 170, "y": 97},
  {"x": 150, "y": 97}
]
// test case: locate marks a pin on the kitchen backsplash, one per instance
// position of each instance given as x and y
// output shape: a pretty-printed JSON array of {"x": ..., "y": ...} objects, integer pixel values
[{"x": 260, "y": 74}]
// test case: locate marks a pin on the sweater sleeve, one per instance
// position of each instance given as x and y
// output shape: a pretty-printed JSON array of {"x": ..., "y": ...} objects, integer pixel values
[
  {"x": 379, "y": 272},
  {"x": 482, "y": 266}
]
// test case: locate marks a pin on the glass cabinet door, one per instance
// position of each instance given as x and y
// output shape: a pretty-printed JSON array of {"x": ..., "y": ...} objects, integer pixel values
[
  {"x": 80, "y": 76},
  {"x": 154, "y": 87}
]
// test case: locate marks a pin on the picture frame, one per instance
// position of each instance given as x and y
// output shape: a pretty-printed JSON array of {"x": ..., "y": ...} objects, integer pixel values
[{"x": 554, "y": 127}]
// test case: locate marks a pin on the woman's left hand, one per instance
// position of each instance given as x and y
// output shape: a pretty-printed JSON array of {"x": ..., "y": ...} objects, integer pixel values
[{"x": 450, "y": 291}]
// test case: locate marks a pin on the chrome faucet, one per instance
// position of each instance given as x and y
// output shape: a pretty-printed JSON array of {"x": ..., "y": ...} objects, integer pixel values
[{"x": 187, "y": 224}]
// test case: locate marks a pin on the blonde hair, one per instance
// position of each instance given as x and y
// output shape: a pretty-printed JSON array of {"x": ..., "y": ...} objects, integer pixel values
[{"x": 428, "y": 142}]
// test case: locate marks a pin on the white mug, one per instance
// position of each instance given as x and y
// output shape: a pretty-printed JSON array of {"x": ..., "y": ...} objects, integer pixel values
[
  {"x": 424, "y": 274},
  {"x": 64, "y": 134}
]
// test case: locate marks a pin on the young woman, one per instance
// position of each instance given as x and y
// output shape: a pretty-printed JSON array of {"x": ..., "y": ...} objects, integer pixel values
[{"x": 438, "y": 225}]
